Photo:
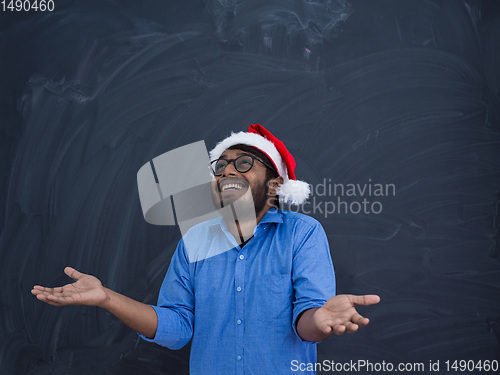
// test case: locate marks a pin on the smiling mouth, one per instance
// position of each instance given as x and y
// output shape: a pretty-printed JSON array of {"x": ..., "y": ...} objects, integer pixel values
[{"x": 231, "y": 186}]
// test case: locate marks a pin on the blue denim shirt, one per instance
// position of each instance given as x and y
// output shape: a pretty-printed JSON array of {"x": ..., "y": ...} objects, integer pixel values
[{"x": 240, "y": 307}]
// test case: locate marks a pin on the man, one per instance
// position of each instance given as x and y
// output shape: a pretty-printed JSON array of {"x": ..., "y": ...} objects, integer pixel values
[{"x": 252, "y": 294}]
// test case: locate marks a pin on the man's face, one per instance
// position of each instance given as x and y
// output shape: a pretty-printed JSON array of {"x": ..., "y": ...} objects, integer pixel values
[{"x": 233, "y": 185}]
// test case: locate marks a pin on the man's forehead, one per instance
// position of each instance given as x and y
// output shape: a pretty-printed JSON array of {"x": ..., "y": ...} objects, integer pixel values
[{"x": 237, "y": 153}]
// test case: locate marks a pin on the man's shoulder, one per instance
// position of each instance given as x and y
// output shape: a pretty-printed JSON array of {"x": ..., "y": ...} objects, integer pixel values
[
  {"x": 301, "y": 228},
  {"x": 201, "y": 225},
  {"x": 296, "y": 218},
  {"x": 199, "y": 230}
]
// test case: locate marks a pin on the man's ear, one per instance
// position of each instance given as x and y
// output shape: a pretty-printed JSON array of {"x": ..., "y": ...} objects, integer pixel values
[{"x": 273, "y": 184}]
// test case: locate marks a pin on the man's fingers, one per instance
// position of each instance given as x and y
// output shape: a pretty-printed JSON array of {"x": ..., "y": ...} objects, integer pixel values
[
  {"x": 351, "y": 327},
  {"x": 54, "y": 299},
  {"x": 43, "y": 293},
  {"x": 368, "y": 299},
  {"x": 339, "y": 329},
  {"x": 41, "y": 289},
  {"x": 37, "y": 289},
  {"x": 327, "y": 329},
  {"x": 74, "y": 274},
  {"x": 52, "y": 294},
  {"x": 58, "y": 296},
  {"x": 59, "y": 299},
  {"x": 360, "y": 320},
  {"x": 47, "y": 298}
]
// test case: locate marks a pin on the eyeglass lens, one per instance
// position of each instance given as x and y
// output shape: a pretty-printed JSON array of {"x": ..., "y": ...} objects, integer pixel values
[{"x": 242, "y": 164}]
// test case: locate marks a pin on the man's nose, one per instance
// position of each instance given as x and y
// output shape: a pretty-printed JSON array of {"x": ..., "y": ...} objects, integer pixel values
[{"x": 230, "y": 170}]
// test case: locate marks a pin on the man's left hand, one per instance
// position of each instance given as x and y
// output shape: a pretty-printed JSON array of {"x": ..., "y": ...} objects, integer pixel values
[{"x": 338, "y": 315}]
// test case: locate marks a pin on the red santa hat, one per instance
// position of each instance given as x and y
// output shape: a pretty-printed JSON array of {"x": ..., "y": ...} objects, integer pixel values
[{"x": 292, "y": 191}]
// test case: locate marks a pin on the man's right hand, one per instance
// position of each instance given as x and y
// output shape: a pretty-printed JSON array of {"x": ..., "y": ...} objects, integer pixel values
[{"x": 86, "y": 290}]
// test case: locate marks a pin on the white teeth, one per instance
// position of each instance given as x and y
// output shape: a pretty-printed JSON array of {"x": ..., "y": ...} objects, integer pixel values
[{"x": 232, "y": 186}]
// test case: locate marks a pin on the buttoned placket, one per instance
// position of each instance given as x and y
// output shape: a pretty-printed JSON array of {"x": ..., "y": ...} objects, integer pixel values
[
  {"x": 239, "y": 298},
  {"x": 239, "y": 281},
  {"x": 239, "y": 291}
]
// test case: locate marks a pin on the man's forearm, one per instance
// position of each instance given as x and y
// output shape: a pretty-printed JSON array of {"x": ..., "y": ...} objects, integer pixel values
[
  {"x": 307, "y": 328},
  {"x": 136, "y": 315}
]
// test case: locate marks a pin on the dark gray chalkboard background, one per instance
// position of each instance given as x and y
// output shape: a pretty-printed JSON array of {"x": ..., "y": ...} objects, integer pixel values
[{"x": 399, "y": 92}]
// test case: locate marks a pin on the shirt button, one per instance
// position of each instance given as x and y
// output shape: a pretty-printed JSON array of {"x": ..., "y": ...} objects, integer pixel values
[
  {"x": 238, "y": 321},
  {"x": 242, "y": 256},
  {"x": 238, "y": 289},
  {"x": 239, "y": 358}
]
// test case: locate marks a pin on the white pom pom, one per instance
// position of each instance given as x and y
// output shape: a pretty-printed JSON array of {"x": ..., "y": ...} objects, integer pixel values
[{"x": 293, "y": 192}]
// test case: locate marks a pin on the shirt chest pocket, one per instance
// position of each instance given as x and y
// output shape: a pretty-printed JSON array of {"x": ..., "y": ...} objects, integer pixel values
[{"x": 272, "y": 297}]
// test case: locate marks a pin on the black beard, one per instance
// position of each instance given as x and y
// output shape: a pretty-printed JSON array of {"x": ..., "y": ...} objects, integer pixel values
[{"x": 259, "y": 196}]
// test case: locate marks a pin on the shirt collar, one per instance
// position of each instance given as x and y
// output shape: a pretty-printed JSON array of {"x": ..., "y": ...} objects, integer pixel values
[{"x": 271, "y": 216}]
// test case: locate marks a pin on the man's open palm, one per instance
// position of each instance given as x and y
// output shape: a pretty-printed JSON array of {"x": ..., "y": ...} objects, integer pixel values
[
  {"x": 338, "y": 315},
  {"x": 86, "y": 290}
]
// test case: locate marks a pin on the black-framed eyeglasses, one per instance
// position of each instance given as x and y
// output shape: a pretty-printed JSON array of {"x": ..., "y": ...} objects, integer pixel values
[{"x": 242, "y": 164}]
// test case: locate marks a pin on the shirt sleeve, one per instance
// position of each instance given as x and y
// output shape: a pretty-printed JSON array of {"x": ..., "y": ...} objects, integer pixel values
[
  {"x": 313, "y": 276},
  {"x": 175, "y": 308}
]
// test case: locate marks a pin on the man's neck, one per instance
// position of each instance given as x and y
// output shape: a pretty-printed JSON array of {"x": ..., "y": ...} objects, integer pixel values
[{"x": 242, "y": 228}]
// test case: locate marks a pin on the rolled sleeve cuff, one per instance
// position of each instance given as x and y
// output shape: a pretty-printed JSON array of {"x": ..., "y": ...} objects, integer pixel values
[
  {"x": 299, "y": 310},
  {"x": 172, "y": 331}
]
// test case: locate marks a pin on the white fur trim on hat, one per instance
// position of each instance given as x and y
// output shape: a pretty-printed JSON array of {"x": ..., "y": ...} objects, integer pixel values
[{"x": 293, "y": 192}]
